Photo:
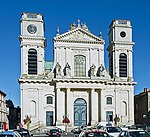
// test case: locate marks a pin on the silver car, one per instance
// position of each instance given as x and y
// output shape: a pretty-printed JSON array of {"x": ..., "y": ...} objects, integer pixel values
[{"x": 134, "y": 133}]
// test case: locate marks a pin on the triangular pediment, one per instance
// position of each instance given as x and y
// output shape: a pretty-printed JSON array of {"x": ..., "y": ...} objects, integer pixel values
[{"x": 78, "y": 35}]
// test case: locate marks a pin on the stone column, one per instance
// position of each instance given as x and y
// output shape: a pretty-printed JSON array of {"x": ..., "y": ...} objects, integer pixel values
[
  {"x": 94, "y": 107},
  {"x": 60, "y": 106}
]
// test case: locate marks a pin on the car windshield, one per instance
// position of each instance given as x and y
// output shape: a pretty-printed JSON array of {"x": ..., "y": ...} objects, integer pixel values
[
  {"x": 139, "y": 134},
  {"x": 23, "y": 133},
  {"x": 113, "y": 129}
]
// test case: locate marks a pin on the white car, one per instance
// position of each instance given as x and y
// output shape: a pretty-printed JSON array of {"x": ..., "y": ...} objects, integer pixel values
[
  {"x": 113, "y": 131},
  {"x": 134, "y": 133}
]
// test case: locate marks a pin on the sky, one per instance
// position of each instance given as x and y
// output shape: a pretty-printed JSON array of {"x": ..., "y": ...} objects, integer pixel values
[{"x": 97, "y": 14}]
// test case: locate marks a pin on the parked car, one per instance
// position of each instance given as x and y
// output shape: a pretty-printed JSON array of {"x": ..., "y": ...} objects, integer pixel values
[
  {"x": 60, "y": 130},
  {"x": 113, "y": 131},
  {"x": 134, "y": 133},
  {"x": 54, "y": 133},
  {"x": 23, "y": 132},
  {"x": 9, "y": 134},
  {"x": 94, "y": 133},
  {"x": 76, "y": 130}
]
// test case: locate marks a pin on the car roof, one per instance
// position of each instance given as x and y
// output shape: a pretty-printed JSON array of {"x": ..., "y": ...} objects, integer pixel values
[
  {"x": 94, "y": 130},
  {"x": 10, "y": 133},
  {"x": 7, "y": 132},
  {"x": 133, "y": 130}
]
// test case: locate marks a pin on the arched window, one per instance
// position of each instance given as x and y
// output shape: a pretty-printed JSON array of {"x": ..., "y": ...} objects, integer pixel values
[
  {"x": 32, "y": 62},
  {"x": 124, "y": 108},
  {"x": 109, "y": 100},
  {"x": 79, "y": 66},
  {"x": 49, "y": 100},
  {"x": 33, "y": 108},
  {"x": 123, "y": 65}
]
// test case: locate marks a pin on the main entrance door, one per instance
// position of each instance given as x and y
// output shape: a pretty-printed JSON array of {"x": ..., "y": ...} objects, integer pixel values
[
  {"x": 49, "y": 118},
  {"x": 80, "y": 112}
]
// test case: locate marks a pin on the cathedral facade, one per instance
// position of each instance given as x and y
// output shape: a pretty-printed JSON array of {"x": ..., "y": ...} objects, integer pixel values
[{"x": 76, "y": 84}]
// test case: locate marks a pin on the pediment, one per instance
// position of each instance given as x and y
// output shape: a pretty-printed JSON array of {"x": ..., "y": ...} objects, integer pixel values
[{"x": 78, "y": 35}]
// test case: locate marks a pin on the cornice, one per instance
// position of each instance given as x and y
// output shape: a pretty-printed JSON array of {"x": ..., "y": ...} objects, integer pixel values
[
  {"x": 31, "y": 38},
  {"x": 119, "y": 43},
  {"x": 105, "y": 82},
  {"x": 34, "y": 81},
  {"x": 79, "y": 41},
  {"x": 77, "y": 80}
]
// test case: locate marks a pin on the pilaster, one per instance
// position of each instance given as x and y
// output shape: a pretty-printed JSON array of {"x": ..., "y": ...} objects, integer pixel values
[
  {"x": 60, "y": 106},
  {"x": 94, "y": 107},
  {"x": 69, "y": 100}
]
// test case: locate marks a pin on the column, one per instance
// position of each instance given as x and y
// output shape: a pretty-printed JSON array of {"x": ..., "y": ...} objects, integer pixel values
[
  {"x": 101, "y": 56},
  {"x": 130, "y": 73},
  {"x": 55, "y": 55},
  {"x": 60, "y": 106},
  {"x": 94, "y": 107},
  {"x": 131, "y": 106},
  {"x": 69, "y": 105}
]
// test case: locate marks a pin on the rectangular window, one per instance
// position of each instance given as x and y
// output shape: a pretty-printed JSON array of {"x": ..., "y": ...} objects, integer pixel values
[
  {"x": 29, "y": 15},
  {"x": 49, "y": 100},
  {"x": 122, "y": 22}
]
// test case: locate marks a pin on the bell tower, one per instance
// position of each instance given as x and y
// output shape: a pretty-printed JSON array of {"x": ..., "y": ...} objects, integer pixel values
[
  {"x": 32, "y": 43},
  {"x": 120, "y": 50}
]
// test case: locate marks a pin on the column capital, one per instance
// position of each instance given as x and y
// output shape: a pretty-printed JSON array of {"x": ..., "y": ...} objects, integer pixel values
[{"x": 68, "y": 89}]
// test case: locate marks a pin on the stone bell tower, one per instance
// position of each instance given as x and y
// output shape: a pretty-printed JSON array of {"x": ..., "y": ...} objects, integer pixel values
[
  {"x": 120, "y": 50},
  {"x": 32, "y": 44}
]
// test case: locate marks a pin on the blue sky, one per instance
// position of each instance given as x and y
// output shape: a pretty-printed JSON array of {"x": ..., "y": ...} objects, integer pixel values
[{"x": 97, "y": 14}]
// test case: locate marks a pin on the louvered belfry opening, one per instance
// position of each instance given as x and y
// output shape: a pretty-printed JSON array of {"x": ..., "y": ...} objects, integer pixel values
[
  {"x": 123, "y": 65},
  {"x": 32, "y": 62}
]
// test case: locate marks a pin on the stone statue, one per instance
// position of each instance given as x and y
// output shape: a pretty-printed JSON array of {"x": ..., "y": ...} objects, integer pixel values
[
  {"x": 101, "y": 68},
  {"x": 93, "y": 67},
  {"x": 72, "y": 26},
  {"x": 58, "y": 69},
  {"x": 67, "y": 70},
  {"x": 57, "y": 34},
  {"x": 84, "y": 26}
]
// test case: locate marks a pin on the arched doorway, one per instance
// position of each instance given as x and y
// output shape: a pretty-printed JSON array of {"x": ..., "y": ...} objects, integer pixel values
[{"x": 80, "y": 112}]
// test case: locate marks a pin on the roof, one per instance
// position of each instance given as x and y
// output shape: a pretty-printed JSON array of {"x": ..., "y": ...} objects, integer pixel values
[
  {"x": 48, "y": 65},
  {"x": 2, "y": 93},
  {"x": 78, "y": 35}
]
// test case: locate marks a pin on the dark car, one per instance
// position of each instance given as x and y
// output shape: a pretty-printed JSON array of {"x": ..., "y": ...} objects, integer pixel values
[
  {"x": 79, "y": 129},
  {"x": 54, "y": 133},
  {"x": 76, "y": 130},
  {"x": 23, "y": 132}
]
